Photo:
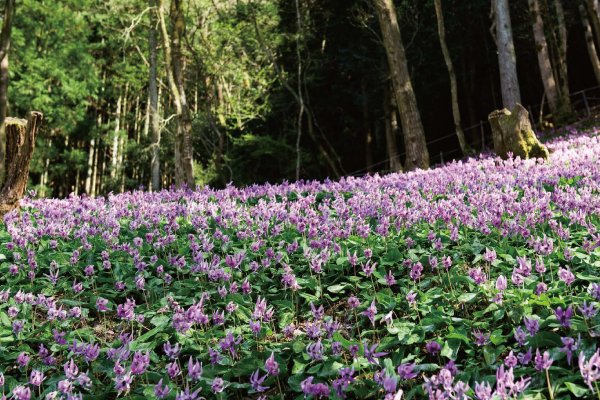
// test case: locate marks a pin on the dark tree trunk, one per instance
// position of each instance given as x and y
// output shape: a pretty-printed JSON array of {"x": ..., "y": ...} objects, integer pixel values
[
  {"x": 415, "y": 145},
  {"x": 9, "y": 10},
  {"x": 20, "y": 142},
  {"x": 507, "y": 59}
]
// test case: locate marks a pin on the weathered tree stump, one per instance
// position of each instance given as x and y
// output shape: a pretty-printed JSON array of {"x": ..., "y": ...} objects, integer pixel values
[
  {"x": 512, "y": 133},
  {"x": 20, "y": 141}
]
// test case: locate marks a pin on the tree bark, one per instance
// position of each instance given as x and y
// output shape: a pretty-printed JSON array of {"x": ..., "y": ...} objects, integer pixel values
[
  {"x": 543, "y": 56},
  {"x": 184, "y": 163},
  {"x": 153, "y": 102},
  {"x": 114, "y": 161},
  {"x": 513, "y": 134},
  {"x": 592, "y": 12},
  {"x": 9, "y": 10},
  {"x": 453, "y": 86},
  {"x": 589, "y": 40},
  {"x": 561, "y": 68},
  {"x": 367, "y": 128},
  {"x": 417, "y": 155},
  {"x": 391, "y": 130},
  {"x": 507, "y": 58},
  {"x": 20, "y": 142}
]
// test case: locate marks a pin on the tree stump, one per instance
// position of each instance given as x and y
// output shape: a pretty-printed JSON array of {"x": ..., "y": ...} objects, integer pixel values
[
  {"x": 20, "y": 141},
  {"x": 512, "y": 133}
]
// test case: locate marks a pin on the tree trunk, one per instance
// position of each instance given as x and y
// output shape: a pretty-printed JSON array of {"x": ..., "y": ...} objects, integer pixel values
[
  {"x": 153, "y": 116},
  {"x": 561, "y": 68},
  {"x": 507, "y": 59},
  {"x": 9, "y": 10},
  {"x": 20, "y": 142},
  {"x": 184, "y": 165},
  {"x": 512, "y": 134},
  {"x": 114, "y": 161},
  {"x": 391, "y": 130},
  {"x": 453, "y": 86},
  {"x": 592, "y": 12},
  {"x": 367, "y": 128},
  {"x": 589, "y": 40},
  {"x": 90, "y": 167},
  {"x": 417, "y": 155},
  {"x": 543, "y": 57}
]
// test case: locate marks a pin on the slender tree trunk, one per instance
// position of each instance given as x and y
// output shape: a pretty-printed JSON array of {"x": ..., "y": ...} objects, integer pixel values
[
  {"x": 301, "y": 108},
  {"x": 367, "y": 128},
  {"x": 9, "y": 10},
  {"x": 592, "y": 12},
  {"x": 115, "y": 141},
  {"x": 391, "y": 130},
  {"x": 453, "y": 86},
  {"x": 543, "y": 56},
  {"x": 184, "y": 167},
  {"x": 153, "y": 115},
  {"x": 589, "y": 40},
  {"x": 90, "y": 167},
  {"x": 507, "y": 59},
  {"x": 561, "y": 68},
  {"x": 415, "y": 146}
]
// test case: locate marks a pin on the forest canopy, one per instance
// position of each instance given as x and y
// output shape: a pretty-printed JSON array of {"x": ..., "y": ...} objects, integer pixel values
[{"x": 161, "y": 92}]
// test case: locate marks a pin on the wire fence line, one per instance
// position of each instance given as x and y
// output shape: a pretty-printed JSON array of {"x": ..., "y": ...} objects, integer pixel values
[{"x": 583, "y": 102}]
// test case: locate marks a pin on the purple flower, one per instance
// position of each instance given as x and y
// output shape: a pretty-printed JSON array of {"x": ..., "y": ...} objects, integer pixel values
[
  {"x": 411, "y": 298},
  {"x": 161, "y": 391},
  {"x": 217, "y": 385},
  {"x": 314, "y": 389},
  {"x": 477, "y": 275},
  {"x": 371, "y": 355},
  {"x": 101, "y": 304},
  {"x": 483, "y": 391},
  {"x": 511, "y": 360},
  {"x": 525, "y": 358},
  {"x": 532, "y": 325},
  {"x": 23, "y": 359},
  {"x": 140, "y": 362},
  {"x": 520, "y": 336},
  {"x": 565, "y": 275},
  {"x": 415, "y": 271},
  {"x": 564, "y": 317},
  {"x": 171, "y": 351},
  {"x": 433, "y": 347},
  {"x": 71, "y": 369},
  {"x": 542, "y": 361},
  {"x": 501, "y": 283},
  {"x": 481, "y": 339},
  {"x": 390, "y": 384},
  {"x": 541, "y": 288},
  {"x": 256, "y": 381},
  {"x": 590, "y": 371},
  {"x": 569, "y": 345},
  {"x": 229, "y": 342},
  {"x": 370, "y": 312},
  {"x": 36, "y": 377},
  {"x": 315, "y": 350},
  {"x": 588, "y": 310},
  {"x": 489, "y": 255},
  {"x": 407, "y": 371},
  {"x": 353, "y": 302},
  {"x": 21, "y": 393},
  {"x": 271, "y": 365},
  {"x": 173, "y": 369},
  {"x": 187, "y": 395}
]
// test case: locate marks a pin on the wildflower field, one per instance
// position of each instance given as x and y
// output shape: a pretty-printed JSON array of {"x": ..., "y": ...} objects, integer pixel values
[{"x": 479, "y": 279}]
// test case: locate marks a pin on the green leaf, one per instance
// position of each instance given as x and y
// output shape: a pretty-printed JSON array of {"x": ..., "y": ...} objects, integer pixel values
[
  {"x": 578, "y": 391},
  {"x": 467, "y": 297}
]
